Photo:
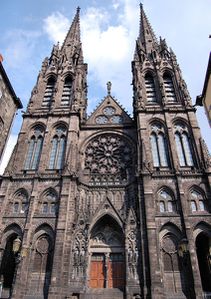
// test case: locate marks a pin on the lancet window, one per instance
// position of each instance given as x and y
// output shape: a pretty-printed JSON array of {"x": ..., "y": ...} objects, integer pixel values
[
  {"x": 150, "y": 88},
  {"x": 197, "y": 201},
  {"x": 159, "y": 146},
  {"x": 58, "y": 148},
  {"x": 65, "y": 101},
  {"x": 48, "y": 92},
  {"x": 34, "y": 149},
  {"x": 183, "y": 145},
  {"x": 169, "y": 87}
]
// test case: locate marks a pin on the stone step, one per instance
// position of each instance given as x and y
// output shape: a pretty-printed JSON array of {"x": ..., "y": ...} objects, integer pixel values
[{"x": 104, "y": 294}]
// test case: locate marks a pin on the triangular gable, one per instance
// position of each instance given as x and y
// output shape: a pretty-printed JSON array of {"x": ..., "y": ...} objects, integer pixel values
[{"x": 109, "y": 113}]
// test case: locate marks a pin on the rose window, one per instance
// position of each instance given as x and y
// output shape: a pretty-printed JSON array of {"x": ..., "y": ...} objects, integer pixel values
[{"x": 109, "y": 157}]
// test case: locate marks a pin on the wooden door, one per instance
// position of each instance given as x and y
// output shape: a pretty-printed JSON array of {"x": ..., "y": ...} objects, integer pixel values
[
  {"x": 116, "y": 271},
  {"x": 97, "y": 271}
]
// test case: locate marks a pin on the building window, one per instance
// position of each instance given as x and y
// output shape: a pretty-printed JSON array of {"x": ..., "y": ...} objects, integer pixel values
[
  {"x": 65, "y": 101},
  {"x": 183, "y": 146},
  {"x": 159, "y": 147},
  {"x": 170, "y": 255},
  {"x": 150, "y": 88},
  {"x": 21, "y": 203},
  {"x": 48, "y": 92},
  {"x": 197, "y": 202},
  {"x": 166, "y": 202},
  {"x": 169, "y": 88},
  {"x": 34, "y": 150},
  {"x": 58, "y": 149},
  {"x": 49, "y": 203}
]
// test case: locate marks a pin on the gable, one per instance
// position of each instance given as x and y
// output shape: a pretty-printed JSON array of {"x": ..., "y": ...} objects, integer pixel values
[{"x": 109, "y": 113}]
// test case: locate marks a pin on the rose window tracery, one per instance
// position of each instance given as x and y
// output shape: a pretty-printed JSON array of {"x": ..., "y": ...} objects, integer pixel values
[{"x": 109, "y": 158}]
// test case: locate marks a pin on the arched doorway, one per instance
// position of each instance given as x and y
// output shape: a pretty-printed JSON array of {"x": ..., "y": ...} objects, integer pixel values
[
  {"x": 107, "y": 255},
  {"x": 8, "y": 264},
  {"x": 203, "y": 249}
]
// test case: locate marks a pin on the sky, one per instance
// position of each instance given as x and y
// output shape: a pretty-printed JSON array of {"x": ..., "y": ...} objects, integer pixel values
[{"x": 108, "y": 32}]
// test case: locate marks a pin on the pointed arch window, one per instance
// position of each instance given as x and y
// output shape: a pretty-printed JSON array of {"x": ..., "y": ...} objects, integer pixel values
[
  {"x": 198, "y": 202},
  {"x": 65, "y": 101},
  {"x": 169, "y": 88},
  {"x": 183, "y": 146},
  {"x": 34, "y": 150},
  {"x": 170, "y": 254},
  {"x": 159, "y": 147},
  {"x": 58, "y": 148},
  {"x": 20, "y": 203},
  {"x": 49, "y": 203},
  {"x": 48, "y": 92},
  {"x": 150, "y": 88},
  {"x": 166, "y": 201}
]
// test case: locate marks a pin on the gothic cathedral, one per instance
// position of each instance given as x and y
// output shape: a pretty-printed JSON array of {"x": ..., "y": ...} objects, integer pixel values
[{"x": 107, "y": 206}]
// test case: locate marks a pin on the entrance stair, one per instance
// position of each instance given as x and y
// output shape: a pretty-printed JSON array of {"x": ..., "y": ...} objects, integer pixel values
[{"x": 104, "y": 294}]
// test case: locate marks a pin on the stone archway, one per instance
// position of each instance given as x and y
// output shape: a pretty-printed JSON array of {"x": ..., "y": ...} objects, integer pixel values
[
  {"x": 107, "y": 255},
  {"x": 203, "y": 249}
]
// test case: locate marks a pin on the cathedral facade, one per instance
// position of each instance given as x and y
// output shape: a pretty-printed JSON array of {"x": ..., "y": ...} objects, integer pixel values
[{"x": 107, "y": 206}]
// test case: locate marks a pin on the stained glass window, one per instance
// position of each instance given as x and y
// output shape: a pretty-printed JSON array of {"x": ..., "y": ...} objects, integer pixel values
[
  {"x": 58, "y": 149},
  {"x": 34, "y": 150}
]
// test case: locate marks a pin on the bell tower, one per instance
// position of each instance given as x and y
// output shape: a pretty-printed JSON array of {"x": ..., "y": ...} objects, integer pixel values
[{"x": 173, "y": 167}]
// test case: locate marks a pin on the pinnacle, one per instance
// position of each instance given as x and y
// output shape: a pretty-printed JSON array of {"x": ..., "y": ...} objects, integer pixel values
[
  {"x": 146, "y": 33},
  {"x": 73, "y": 35}
]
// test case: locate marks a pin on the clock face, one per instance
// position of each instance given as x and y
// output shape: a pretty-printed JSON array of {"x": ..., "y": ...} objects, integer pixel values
[
  {"x": 109, "y": 110},
  {"x": 102, "y": 119},
  {"x": 116, "y": 119}
]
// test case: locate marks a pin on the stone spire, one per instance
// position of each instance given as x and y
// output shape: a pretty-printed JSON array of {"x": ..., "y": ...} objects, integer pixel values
[
  {"x": 147, "y": 40},
  {"x": 72, "y": 43}
]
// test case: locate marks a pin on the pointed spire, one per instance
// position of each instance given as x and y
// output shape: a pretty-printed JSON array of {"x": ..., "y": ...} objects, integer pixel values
[
  {"x": 73, "y": 35},
  {"x": 147, "y": 37}
]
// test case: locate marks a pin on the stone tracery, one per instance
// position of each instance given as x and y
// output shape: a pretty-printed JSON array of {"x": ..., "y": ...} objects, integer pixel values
[{"x": 108, "y": 158}]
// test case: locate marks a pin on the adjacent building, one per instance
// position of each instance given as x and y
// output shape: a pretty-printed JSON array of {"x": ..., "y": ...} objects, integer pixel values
[
  {"x": 205, "y": 98},
  {"x": 9, "y": 103},
  {"x": 107, "y": 206}
]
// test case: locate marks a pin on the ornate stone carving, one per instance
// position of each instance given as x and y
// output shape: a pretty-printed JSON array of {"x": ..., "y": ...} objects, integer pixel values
[
  {"x": 109, "y": 159},
  {"x": 132, "y": 253},
  {"x": 80, "y": 254}
]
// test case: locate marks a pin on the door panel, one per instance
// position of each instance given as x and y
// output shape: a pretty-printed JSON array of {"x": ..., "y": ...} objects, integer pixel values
[
  {"x": 116, "y": 271},
  {"x": 97, "y": 275}
]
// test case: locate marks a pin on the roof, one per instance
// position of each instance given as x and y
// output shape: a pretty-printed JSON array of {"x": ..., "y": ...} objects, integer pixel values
[
  {"x": 9, "y": 85},
  {"x": 208, "y": 73}
]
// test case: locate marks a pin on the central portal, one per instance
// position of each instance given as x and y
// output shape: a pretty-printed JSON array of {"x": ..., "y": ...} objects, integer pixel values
[{"x": 107, "y": 258}]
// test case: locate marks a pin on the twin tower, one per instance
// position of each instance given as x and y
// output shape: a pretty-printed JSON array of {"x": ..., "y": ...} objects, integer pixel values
[{"x": 107, "y": 206}]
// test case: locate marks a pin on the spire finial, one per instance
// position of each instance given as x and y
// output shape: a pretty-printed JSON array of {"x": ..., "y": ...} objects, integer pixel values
[{"x": 109, "y": 84}]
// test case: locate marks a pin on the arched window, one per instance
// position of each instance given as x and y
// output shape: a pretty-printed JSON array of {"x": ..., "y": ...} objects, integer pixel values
[
  {"x": 42, "y": 265},
  {"x": 65, "y": 101},
  {"x": 183, "y": 146},
  {"x": 58, "y": 148},
  {"x": 169, "y": 88},
  {"x": 49, "y": 203},
  {"x": 170, "y": 255},
  {"x": 20, "y": 203},
  {"x": 150, "y": 88},
  {"x": 197, "y": 201},
  {"x": 159, "y": 147},
  {"x": 34, "y": 149},
  {"x": 48, "y": 92},
  {"x": 166, "y": 202}
]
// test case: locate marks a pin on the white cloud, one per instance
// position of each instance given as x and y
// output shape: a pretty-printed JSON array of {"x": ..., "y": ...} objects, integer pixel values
[
  {"x": 108, "y": 48},
  {"x": 56, "y": 26},
  {"x": 8, "y": 151},
  {"x": 20, "y": 47}
]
